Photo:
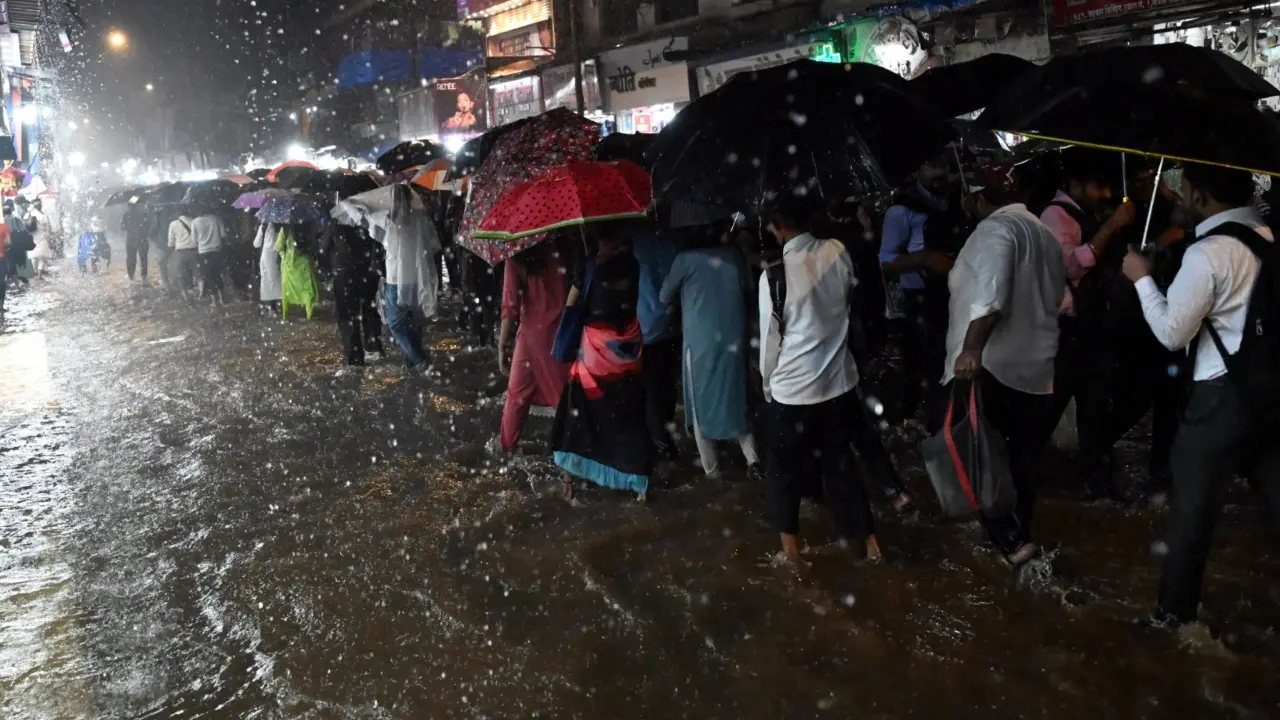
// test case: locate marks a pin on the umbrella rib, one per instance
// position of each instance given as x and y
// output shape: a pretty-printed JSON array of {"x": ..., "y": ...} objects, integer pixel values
[{"x": 1144, "y": 153}]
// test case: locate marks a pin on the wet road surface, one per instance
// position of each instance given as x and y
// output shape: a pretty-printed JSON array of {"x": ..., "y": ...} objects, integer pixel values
[{"x": 201, "y": 517}]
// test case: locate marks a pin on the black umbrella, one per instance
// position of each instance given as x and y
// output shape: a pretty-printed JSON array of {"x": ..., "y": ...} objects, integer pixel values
[
  {"x": 623, "y": 146},
  {"x": 837, "y": 129},
  {"x": 259, "y": 174},
  {"x": 1175, "y": 66},
  {"x": 213, "y": 192},
  {"x": 127, "y": 195},
  {"x": 1174, "y": 125},
  {"x": 1204, "y": 114},
  {"x": 297, "y": 177},
  {"x": 965, "y": 87},
  {"x": 409, "y": 154},
  {"x": 164, "y": 194},
  {"x": 473, "y": 153}
]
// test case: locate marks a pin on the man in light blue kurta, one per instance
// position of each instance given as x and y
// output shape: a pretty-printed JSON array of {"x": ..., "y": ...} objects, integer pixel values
[{"x": 710, "y": 285}]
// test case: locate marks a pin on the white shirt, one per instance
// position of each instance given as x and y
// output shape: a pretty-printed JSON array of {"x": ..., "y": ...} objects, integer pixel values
[
  {"x": 1011, "y": 264},
  {"x": 811, "y": 363},
  {"x": 1214, "y": 282},
  {"x": 208, "y": 231},
  {"x": 180, "y": 237}
]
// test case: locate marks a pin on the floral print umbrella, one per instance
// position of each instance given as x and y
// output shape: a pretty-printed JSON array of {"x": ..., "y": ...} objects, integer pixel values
[
  {"x": 574, "y": 194},
  {"x": 546, "y": 141},
  {"x": 290, "y": 209}
]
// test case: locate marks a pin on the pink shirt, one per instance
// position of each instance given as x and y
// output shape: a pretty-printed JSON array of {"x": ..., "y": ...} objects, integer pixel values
[{"x": 1075, "y": 249}]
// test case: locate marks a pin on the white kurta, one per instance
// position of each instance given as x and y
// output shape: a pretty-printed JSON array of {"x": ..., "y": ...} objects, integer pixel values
[
  {"x": 269, "y": 289},
  {"x": 43, "y": 250}
]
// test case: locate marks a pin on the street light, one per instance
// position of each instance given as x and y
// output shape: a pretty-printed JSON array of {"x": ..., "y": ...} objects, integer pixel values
[
  {"x": 76, "y": 159},
  {"x": 150, "y": 87},
  {"x": 117, "y": 40}
]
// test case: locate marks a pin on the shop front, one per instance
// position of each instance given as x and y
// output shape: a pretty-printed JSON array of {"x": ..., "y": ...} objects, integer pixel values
[
  {"x": 513, "y": 100},
  {"x": 641, "y": 87},
  {"x": 821, "y": 47},
  {"x": 558, "y": 90}
]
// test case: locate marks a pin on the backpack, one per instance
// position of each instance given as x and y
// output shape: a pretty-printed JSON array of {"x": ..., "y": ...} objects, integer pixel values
[{"x": 1255, "y": 367}]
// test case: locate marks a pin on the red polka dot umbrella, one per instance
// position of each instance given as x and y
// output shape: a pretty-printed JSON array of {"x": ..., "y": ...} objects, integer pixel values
[
  {"x": 574, "y": 194},
  {"x": 549, "y": 140}
]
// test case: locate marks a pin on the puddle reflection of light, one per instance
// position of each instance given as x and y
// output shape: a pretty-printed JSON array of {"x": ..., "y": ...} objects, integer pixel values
[{"x": 26, "y": 384}]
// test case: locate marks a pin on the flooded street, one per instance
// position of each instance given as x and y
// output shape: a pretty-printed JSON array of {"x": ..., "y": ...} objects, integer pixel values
[{"x": 202, "y": 517}]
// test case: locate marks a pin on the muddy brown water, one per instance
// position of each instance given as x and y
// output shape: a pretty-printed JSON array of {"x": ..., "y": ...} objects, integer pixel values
[{"x": 200, "y": 517}]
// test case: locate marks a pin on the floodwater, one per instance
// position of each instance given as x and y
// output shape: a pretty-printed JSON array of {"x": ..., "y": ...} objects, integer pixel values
[{"x": 201, "y": 517}]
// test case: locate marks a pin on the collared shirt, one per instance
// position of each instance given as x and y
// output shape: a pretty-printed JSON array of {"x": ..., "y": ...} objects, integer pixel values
[
  {"x": 180, "y": 237},
  {"x": 903, "y": 233},
  {"x": 1012, "y": 264},
  {"x": 811, "y": 362},
  {"x": 209, "y": 232},
  {"x": 1076, "y": 249},
  {"x": 1213, "y": 284}
]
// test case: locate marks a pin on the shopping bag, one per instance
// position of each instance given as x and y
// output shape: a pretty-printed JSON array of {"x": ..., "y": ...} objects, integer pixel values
[
  {"x": 568, "y": 340},
  {"x": 967, "y": 460}
]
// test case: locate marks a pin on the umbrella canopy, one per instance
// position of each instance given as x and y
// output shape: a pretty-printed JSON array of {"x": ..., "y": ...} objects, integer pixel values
[
  {"x": 408, "y": 154},
  {"x": 212, "y": 192},
  {"x": 471, "y": 156},
  {"x": 256, "y": 199},
  {"x": 290, "y": 209},
  {"x": 259, "y": 173},
  {"x": 432, "y": 177},
  {"x": 239, "y": 179},
  {"x": 965, "y": 87},
  {"x": 129, "y": 195},
  {"x": 274, "y": 174},
  {"x": 838, "y": 129},
  {"x": 546, "y": 141},
  {"x": 574, "y": 194},
  {"x": 624, "y": 146},
  {"x": 295, "y": 177},
  {"x": 170, "y": 193},
  {"x": 1144, "y": 109}
]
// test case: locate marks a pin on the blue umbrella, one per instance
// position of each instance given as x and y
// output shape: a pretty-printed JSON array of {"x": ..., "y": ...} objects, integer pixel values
[{"x": 291, "y": 210}]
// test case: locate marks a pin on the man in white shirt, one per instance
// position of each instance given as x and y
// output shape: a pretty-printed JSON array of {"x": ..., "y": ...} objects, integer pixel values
[
  {"x": 810, "y": 378},
  {"x": 186, "y": 253},
  {"x": 1006, "y": 288},
  {"x": 1220, "y": 432},
  {"x": 210, "y": 232}
]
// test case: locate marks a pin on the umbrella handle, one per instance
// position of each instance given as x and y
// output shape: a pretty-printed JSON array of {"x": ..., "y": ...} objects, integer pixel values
[{"x": 1155, "y": 188}]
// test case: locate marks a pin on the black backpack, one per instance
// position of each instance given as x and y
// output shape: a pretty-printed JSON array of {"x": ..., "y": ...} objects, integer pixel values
[{"x": 1255, "y": 367}]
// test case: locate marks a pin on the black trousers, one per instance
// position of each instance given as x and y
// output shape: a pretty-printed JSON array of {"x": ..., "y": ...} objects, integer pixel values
[
  {"x": 924, "y": 352},
  {"x": 810, "y": 455},
  {"x": 1219, "y": 436},
  {"x": 211, "y": 267},
  {"x": 1025, "y": 421},
  {"x": 355, "y": 296},
  {"x": 870, "y": 447},
  {"x": 661, "y": 378},
  {"x": 135, "y": 256},
  {"x": 1085, "y": 370}
]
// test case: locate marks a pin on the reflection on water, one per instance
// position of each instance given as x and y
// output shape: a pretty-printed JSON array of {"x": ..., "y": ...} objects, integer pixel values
[
  {"x": 222, "y": 526},
  {"x": 25, "y": 362}
]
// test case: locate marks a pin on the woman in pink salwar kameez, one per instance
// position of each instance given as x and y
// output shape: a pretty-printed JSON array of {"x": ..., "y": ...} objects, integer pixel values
[{"x": 535, "y": 287}]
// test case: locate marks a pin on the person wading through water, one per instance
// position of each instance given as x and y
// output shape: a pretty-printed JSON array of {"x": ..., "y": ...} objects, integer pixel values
[{"x": 1223, "y": 306}]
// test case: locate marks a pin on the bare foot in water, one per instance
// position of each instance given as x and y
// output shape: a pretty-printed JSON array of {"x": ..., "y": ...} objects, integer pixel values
[
  {"x": 1019, "y": 557},
  {"x": 902, "y": 503},
  {"x": 873, "y": 550},
  {"x": 566, "y": 487}
]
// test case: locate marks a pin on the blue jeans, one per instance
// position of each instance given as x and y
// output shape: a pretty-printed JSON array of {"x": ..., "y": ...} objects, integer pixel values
[{"x": 405, "y": 324}]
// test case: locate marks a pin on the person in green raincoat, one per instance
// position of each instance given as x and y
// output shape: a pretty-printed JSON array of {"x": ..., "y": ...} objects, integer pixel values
[{"x": 297, "y": 277}]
